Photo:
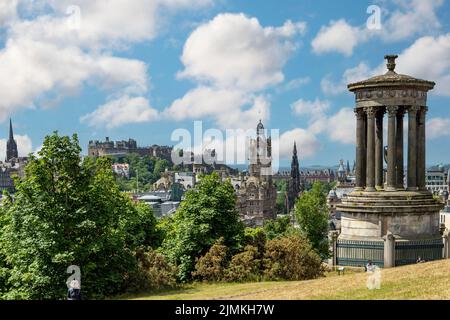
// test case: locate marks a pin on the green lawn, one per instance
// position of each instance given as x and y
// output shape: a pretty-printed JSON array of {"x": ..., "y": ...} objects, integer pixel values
[{"x": 424, "y": 281}]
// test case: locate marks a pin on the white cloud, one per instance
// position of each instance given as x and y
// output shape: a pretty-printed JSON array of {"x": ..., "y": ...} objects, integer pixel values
[
  {"x": 358, "y": 73},
  {"x": 232, "y": 58},
  {"x": 408, "y": 19},
  {"x": 229, "y": 108},
  {"x": 61, "y": 49},
  {"x": 8, "y": 11},
  {"x": 341, "y": 127},
  {"x": 338, "y": 36},
  {"x": 305, "y": 107},
  {"x": 307, "y": 143},
  {"x": 427, "y": 58},
  {"x": 235, "y": 51},
  {"x": 438, "y": 128},
  {"x": 24, "y": 146},
  {"x": 412, "y": 18},
  {"x": 125, "y": 110}
]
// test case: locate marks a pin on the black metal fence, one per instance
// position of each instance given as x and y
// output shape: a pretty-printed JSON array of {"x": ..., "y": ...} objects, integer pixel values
[
  {"x": 410, "y": 251},
  {"x": 358, "y": 253}
]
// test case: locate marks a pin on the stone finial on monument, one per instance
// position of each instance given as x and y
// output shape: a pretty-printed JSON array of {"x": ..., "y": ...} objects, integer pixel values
[{"x": 391, "y": 61}]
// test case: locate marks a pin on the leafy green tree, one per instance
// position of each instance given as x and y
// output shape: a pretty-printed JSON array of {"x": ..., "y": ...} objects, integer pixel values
[
  {"x": 69, "y": 212},
  {"x": 207, "y": 214},
  {"x": 312, "y": 216},
  {"x": 278, "y": 228}
]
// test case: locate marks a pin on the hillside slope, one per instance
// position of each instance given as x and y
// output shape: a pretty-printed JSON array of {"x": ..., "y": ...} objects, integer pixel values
[{"x": 423, "y": 281}]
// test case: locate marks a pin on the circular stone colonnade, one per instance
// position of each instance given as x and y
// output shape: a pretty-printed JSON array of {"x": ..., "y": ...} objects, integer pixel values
[{"x": 382, "y": 216}]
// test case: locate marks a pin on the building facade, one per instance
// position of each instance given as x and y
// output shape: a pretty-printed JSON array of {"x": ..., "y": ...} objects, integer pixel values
[
  {"x": 257, "y": 194},
  {"x": 120, "y": 148}
]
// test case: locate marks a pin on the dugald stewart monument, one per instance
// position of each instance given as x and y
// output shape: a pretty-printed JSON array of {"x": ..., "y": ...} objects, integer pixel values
[{"x": 388, "y": 219}]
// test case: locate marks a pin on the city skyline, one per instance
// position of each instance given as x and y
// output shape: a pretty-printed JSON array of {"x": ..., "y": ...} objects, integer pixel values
[{"x": 287, "y": 64}]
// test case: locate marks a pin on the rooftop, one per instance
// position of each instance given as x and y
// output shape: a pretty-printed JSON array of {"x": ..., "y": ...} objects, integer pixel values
[{"x": 391, "y": 78}]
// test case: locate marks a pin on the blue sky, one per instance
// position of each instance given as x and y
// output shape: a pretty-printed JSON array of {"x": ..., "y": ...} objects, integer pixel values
[{"x": 144, "y": 68}]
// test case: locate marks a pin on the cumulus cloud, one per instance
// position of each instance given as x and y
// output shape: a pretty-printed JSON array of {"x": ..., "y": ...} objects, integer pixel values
[
  {"x": 231, "y": 59},
  {"x": 339, "y": 127},
  {"x": 8, "y": 11},
  {"x": 427, "y": 58},
  {"x": 338, "y": 36},
  {"x": 408, "y": 19},
  {"x": 67, "y": 44},
  {"x": 233, "y": 50},
  {"x": 438, "y": 128},
  {"x": 351, "y": 75},
  {"x": 229, "y": 108},
  {"x": 125, "y": 110},
  {"x": 305, "y": 107},
  {"x": 307, "y": 143}
]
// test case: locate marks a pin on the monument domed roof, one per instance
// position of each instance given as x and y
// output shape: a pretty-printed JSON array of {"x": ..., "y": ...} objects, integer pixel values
[{"x": 391, "y": 78}]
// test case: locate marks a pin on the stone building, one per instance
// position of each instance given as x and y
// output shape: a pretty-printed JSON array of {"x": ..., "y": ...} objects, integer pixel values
[
  {"x": 257, "y": 194},
  {"x": 436, "y": 180},
  {"x": 120, "y": 148},
  {"x": 11, "y": 145},
  {"x": 13, "y": 165},
  {"x": 382, "y": 220}
]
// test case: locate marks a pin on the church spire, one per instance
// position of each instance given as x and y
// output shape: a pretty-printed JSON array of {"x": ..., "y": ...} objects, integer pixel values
[{"x": 11, "y": 145}]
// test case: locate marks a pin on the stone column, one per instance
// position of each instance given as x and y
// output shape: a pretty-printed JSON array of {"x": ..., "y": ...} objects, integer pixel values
[
  {"x": 392, "y": 149},
  {"x": 389, "y": 250},
  {"x": 370, "y": 170},
  {"x": 400, "y": 170},
  {"x": 421, "y": 149},
  {"x": 412, "y": 148},
  {"x": 379, "y": 150},
  {"x": 360, "y": 149},
  {"x": 333, "y": 236}
]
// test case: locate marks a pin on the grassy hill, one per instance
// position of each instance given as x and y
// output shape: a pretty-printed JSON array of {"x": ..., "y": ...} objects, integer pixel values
[{"x": 424, "y": 281}]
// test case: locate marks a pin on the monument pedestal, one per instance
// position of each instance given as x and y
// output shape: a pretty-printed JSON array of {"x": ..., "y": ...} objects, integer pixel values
[{"x": 411, "y": 218}]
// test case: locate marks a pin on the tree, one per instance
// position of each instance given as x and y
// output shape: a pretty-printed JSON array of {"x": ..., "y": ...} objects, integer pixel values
[
  {"x": 207, "y": 214},
  {"x": 278, "y": 228},
  {"x": 312, "y": 216},
  {"x": 69, "y": 212}
]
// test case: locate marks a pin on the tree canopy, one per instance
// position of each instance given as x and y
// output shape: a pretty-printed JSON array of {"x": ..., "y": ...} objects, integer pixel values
[
  {"x": 207, "y": 214},
  {"x": 69, "y": 211},
  {"x": 312, "y": 216}
]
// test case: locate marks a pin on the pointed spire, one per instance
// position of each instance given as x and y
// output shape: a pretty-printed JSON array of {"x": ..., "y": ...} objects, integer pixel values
[
  {"x": 295, "y": 148},
  {"x": 11, "y": 145},
  {"x": 11, "y": 133}
]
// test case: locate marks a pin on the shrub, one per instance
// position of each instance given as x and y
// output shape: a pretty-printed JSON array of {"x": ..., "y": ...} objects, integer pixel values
[
  {"x": 245, "y": 266},
  {"x": 291, "y": 258},
  {"x": 211, "y": 267},
  {"x": 154, "y": 272}
]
